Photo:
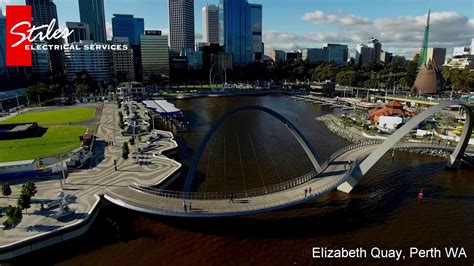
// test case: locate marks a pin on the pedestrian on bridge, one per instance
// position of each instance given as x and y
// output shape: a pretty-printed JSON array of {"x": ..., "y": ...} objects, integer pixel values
[
  {"x": 189, "y": 207},
  {"x": 310, "y": 191},
  {"x": 115, "y": 165},
  {"x": 305, "y": 192},
  {"x": 185, "y": 207}
]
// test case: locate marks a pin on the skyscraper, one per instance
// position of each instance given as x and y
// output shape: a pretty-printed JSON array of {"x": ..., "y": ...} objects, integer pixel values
[
  {"x": 92, "y": 13},
  {"x": 210, "y": 23},
  {"x": 44, "y": 11},
  {"x": 256, "y": 20},
  {"x": 377, "y": 46},
  {"x": 155, "y": 54},
  {"x": 181, "y": 23},
  {"x": 80, "y": 32},
  {"x": 128, "y": 26},
  {"x": 236, "y": 22},
  {"x": 3, "y": 67}
]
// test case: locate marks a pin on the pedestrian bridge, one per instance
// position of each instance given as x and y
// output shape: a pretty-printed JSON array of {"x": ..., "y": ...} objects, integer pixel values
[{"x": 342, "y": 171}]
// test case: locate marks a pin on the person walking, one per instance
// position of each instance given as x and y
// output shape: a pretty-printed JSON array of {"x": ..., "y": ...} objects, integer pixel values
[
  {"x": 115, "y": 164},
  {"x": 185, "y": 207},
  {"x": 310, "y": 191},
  {"x": 305, "y": 192},
  {"x": 231, "y": 198},
  {"x": 189, "y": 206}
]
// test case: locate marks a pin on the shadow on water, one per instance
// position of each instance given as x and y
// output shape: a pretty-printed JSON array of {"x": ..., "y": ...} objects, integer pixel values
[{"x": 337, "y": 213}]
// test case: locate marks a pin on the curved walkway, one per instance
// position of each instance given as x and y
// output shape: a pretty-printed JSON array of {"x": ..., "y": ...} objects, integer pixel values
[{"x": 169, "y": 203}]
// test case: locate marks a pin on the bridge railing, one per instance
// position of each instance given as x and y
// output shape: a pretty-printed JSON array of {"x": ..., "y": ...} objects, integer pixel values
[
  {"x": 252, "y": 192},
  {"x": 226, "y": 195}
]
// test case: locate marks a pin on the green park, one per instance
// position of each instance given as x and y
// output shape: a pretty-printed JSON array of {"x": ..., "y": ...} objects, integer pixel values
[
  {"x": 59, "y": 116},
  {"x": 60, "y": 137}
]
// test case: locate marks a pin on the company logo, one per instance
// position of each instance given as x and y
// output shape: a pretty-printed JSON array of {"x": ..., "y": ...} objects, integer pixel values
[{"x": 21, "y": 35}]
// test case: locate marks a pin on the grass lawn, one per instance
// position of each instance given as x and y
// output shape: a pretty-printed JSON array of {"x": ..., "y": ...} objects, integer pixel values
[
  {"x": 56, "y": 137},
  {"x": 60, "y": 116}
]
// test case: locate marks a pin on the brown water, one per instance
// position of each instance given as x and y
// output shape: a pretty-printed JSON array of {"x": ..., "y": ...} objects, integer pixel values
[{"x": 382, "y": 211}]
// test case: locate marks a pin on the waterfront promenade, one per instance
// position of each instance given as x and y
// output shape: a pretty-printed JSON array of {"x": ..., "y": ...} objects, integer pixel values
[{"x": 83, "y": 186}]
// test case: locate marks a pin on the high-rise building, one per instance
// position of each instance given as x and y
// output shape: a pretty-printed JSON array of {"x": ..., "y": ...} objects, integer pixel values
[
  {"x": 257, "y": 28},
  {"x": 92, "y": 12},
  {"x": 437, "y": 55},
  {"x": 3, "y": 66},
  {"x": 210, "y": 23},
  {"x": 314, "y": 55},
  {"x": 194, "y": 58},
  {"x": 277, "y": 55},
  {"x": 122, "y": 60},
  {"x": 293, "y": 55},
  {"x": 181, "y": 23},
  {"x": 40, "y": 60},
  {"x": 80, "y": 32},
  {"x": 128, "y": 26},
  {"x": 377, "y": 49},
  {"x": 43, "y": 12},
  {"x": 154, "y": 54},
  {"x": 235, "y": 20},
  {"x": 364, "y": 54},
  {"x": 400, "y": 60},
  {"x": 337, "y": 53},
  {"x": 385, "y": 57},
  {"x": 96, "y": 62}
]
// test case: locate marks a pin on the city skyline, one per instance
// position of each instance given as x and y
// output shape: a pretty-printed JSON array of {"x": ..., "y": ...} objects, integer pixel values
[{"x": 398, "y": 24}]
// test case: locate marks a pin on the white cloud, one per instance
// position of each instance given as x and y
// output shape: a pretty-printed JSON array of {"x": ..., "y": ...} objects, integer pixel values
[
  {"x": 397, "y": 34},
  {"x": 341, "y": 18}
]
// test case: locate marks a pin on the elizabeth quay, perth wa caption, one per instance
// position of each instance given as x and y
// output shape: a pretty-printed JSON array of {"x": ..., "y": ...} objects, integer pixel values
[{"x": 395, "y": 254}]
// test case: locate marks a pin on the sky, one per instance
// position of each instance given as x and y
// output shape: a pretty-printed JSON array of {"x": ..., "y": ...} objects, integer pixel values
[{"x": 297, "y": 24}]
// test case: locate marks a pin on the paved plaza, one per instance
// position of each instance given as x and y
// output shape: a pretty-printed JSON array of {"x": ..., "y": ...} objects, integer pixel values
[{"x": 82, "y": 186}]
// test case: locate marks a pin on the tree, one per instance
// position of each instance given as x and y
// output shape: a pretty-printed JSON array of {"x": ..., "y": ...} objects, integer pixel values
[
  {"x": 29, "y": 188},
  {"x": 324, "y": 72},
  {"x": 125, "y": 151},
  {"x": 13, "y": 214},
  {"x": 24, "y": 201},
  {"x": 6, "y": 190},
  {"x": 121, "y": 123},
  {"x": 346, "y": 77}
]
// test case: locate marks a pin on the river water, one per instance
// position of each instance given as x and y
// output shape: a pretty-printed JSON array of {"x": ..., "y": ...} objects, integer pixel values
[{"x": 382, "y": 211}]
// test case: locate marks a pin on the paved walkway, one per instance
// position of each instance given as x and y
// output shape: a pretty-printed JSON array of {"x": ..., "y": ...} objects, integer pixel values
[
  {"x": 82, "y": 186},
  {"x": 328, "y": 180}
]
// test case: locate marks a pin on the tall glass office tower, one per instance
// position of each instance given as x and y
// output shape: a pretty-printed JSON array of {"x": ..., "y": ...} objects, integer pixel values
[
  {"x": 3, "y": 69},
  {"x": 257, "y": 45},
  {"x": 181, "y": 22},
  {"x": 128, "y": 26},
  {"x": 236, "y": 31},
  {"x": 43, "y": 12},
  {"x": 92, "y": 13}
]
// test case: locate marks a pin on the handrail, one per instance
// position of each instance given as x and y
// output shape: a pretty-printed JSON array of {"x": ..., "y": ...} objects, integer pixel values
[{"x": 288, "y": 184}]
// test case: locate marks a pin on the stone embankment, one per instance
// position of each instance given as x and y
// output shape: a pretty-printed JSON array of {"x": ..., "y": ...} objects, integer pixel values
[{"x": 330, "y": 121}]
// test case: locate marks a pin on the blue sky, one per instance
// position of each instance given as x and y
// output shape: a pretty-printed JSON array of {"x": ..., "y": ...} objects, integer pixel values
[{"x": 294, "y": 24}]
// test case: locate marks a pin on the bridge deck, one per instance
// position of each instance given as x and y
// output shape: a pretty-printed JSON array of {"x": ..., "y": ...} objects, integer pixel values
[{"x": 327, "y": 181}]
